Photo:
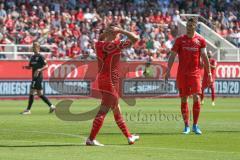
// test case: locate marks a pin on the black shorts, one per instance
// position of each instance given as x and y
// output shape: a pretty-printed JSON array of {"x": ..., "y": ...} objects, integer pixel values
[{"x": 37, "y": 84}]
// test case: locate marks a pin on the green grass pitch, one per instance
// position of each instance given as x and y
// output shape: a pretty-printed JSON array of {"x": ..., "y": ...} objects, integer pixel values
[{"x": 42, "y": 136}]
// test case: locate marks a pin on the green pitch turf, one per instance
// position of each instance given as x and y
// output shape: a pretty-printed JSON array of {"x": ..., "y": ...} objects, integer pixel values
[{"x": 42, "y": 136}]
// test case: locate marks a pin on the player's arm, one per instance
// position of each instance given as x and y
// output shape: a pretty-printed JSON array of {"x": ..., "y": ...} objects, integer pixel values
[
  {"x": 44, "y": 67},
  {"x": 174, "y": 51},
  {"x": 170, "y": 63},
  {"x": 206, "y": 64},
  {"x": 41, "y": 69},
  {"x": 130, "y": 35},
  {"x": 201, "y": 63},
  {"x": 27, "y": 67}
]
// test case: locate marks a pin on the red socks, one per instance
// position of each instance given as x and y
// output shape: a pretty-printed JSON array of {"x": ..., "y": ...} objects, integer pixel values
[
  {"x": 212, "y": 92},
  {"x": 97, "y": 124},
  {"x": 196, "y": 111},
  {"x": 122, "y": 125},
  {"x": 202, "y": 95},
  {"x": 185, "y": 113}
]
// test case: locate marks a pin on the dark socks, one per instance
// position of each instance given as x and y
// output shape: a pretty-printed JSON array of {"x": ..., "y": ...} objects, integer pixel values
[
  {"x": 45, "y": 99},
  {"x": 30, "y": 101}
]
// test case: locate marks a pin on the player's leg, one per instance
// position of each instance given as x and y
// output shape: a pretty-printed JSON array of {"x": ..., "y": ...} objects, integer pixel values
[
  {"x": 202, "y": 96},
  {"x": 106, "y": 90},
  {"x": 96, "y": 126},
  {"x": 42, "y": 96},
  {"x": 46, "y": 100},
  {"x": 185, "y": 114},
  {"x": 183, "y": 90},
  {"x": 122, "y": 125},
  {"x": 196, "y": 113},
  {"x": 213, "y": 94},
  {"x": 204, "y": 86},
  {"x": 30, "y": 102}
]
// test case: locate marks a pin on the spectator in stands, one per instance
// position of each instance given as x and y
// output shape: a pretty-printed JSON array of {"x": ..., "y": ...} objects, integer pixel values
[
  {"x": 75, "y": 50},
  {"x": 3, "y": 13}
]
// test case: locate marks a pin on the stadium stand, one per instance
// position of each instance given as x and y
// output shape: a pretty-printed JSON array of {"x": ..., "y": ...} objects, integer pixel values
[{"x": 73, "y": 25}]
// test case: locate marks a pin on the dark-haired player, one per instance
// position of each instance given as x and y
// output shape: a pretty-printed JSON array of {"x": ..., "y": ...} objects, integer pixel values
[{"x": 189, "y": 48}]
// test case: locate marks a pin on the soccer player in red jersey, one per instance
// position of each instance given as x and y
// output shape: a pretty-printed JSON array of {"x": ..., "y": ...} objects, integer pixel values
[
  {"x": 213, "y": 65},
  {"x": 108, "y": 49},
  {"x": 189, "y": 48}
]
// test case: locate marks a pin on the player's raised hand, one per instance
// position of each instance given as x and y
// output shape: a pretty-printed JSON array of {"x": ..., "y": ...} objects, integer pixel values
[{"x": 115, "y": 29}]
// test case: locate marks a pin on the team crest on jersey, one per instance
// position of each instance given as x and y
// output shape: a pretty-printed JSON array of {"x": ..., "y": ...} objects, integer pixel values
[
  {"x": 197, "y": 42},
  {"x": 36, "y": 58}
]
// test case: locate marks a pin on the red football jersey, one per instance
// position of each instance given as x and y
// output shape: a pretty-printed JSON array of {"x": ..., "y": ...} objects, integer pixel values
[
  {"x": 212, "y": 62},
  {"x": 109, "y": 54},
  {"x": 189, "y": 51}
]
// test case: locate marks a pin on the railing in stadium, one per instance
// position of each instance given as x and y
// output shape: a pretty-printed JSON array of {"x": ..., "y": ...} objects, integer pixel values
[{"x": 18, "y": 52}]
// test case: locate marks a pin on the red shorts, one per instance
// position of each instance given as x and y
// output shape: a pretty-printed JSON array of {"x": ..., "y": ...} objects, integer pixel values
[
  {"x": 188, "y": 85},
  {"x": 109, "y": 93}
]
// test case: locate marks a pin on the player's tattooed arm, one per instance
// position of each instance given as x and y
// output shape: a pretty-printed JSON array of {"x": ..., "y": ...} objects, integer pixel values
[
  {"x": 170, "y": 63},
  {"x": 206, "y": 63},
  {"x": 205, "y": 60}
]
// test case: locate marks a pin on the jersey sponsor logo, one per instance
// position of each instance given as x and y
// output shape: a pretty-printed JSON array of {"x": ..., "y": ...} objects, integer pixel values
[
  {"x": 62, "y": 70},
  {"x": 197, "y": 42},
  {"x": 228, "y": 71},
  {"x": 190, "y": 49}
]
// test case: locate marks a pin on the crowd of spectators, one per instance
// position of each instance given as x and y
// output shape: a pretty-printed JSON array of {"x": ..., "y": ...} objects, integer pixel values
[{"x": 70, "y": 27}]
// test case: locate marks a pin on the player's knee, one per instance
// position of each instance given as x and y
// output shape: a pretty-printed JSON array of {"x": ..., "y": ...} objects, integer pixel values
[
  {"x": 31, "y": 93},
  {"x": 184, "y": 99},
  {"x": 196, "y": 98},
  {"x": 103, "y": 109},
  {"x": 113, "y": 101},
  {"x": 39, "y": 94}
]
